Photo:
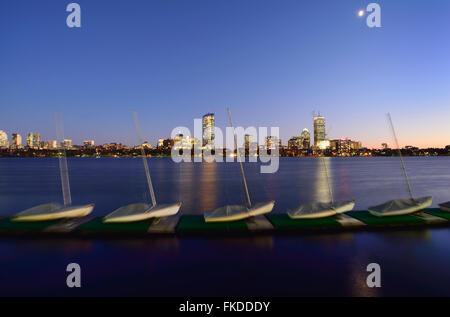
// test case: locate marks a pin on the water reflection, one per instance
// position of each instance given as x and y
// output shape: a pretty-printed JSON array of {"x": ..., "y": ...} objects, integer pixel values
[
  {"x": 208, "y": 187},
  {"x": 321, "y": 185}
]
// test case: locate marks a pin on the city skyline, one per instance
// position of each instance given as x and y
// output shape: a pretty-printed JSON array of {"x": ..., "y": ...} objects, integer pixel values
[{"x": 160, "y": 60}]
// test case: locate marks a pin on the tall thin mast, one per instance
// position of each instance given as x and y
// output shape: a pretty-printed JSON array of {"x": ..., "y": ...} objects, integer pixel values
[
  {"x": 144, "y": 160},
  {"x": 63, "y": 170},
  {"x": 401, "y": 157},
  {"x": 249, "y": 203}
]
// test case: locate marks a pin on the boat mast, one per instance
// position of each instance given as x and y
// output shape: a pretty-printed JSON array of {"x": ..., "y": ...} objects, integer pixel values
[
  {"x": 144, "y": 160},
  {"x": 62, "y": 159},
  {"x": 401, "y": 157},
  {"x": 249, "y": 203}
]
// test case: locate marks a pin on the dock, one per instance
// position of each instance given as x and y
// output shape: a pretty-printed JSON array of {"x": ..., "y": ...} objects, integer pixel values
[{"x": 180, "y": 225}]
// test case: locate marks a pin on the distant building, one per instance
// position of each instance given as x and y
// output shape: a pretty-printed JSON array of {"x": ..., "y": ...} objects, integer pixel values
[
  {"x": 160, "y": 143},
  {"x": 208, "y": 129},
  {"x": 66, "y": 144},
  {"x": 168, "y": 143},
  {"x": 16, "y": 141},
  {"x": 89, "y": 144},
  {"x": 4, "y": 143},
  {"x": 319, "y": 131},
  {"x": 51, "y": 144},
  {"x": 295, "y": 143},
  {"x": 272, "y": 142},
  {"x": 33, "y": 140},
  {"x": 323, "y": 145},
  {"x": 248, "y": 139},
  {"x": 344, "y": 146},
  {"x": 306, "y": 139},
  {"x": 182, "y": 142},
  {"x": 146, "y": 145}
]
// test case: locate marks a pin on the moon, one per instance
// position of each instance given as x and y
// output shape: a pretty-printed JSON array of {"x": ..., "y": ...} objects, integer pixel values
[{"x": 360, "y": 13}]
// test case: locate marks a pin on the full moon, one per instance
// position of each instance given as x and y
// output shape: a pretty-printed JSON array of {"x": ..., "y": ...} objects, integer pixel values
[{"x": 360, "y": 13}]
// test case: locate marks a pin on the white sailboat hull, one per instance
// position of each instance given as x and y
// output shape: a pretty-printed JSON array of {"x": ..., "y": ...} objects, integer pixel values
[
  {"x": 141, "y": 211},
  {"x": 445, "y": 206},
  {"x": 399, "y": 207},
  {"x": 53, "y": 211},
  {"x": 321, "y": 210},
  {"x": 238, "y": 212}
]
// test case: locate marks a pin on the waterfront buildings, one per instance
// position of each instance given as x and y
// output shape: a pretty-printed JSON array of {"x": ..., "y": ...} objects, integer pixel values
[
  {"x": 16, "y": 141},
  {"x": 302, "y": 142},
  {"x": 208, "y": 130},
  {"x": 88, "y": 144},
  {"x": 344, "y": 146},
  {"x": 295, "y": 143},
  {"x": 4, "y": 143},
  {"x": 33, "y": 140},
  {"x": 66, "y": 144},
  {"x": 146, "y": 145},
  {"x": 51, "y": 144},
  {"x": 272, "y": 142}
]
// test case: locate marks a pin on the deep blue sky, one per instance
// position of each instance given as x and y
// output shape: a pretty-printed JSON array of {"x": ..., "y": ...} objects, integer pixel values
[{"x": 272, "y": 61}]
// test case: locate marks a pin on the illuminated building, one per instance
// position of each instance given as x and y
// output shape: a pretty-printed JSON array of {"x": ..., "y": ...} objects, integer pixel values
[
  {"x": 319, "y": 131},
  {"x": 33, "y": 140},
  {"x": 295, "y": 143},
  {"x": 208, "y": 129},
  {"x": 16, "y": 141},
  {"x": 4, "y": 143},
  {"x": 344, "y": 146},
  {"x": 146, "y": 145},
  {"x": 66, "y": 144},
  {"x": 305, "y": 139},
  {"x": 89, "y": 143},
  {"x": 272, "y": 142}
]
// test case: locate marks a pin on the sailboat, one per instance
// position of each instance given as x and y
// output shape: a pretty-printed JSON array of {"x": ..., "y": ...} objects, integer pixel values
[
  {"x": 238, "y": 212},
  {"x": 398, "y": 207},
  {"x": 142, "y": 211},
  {"x": 54, "y": 211},
  {"x": 322, "y": 209},
  {"x": 445, "y": 206}
]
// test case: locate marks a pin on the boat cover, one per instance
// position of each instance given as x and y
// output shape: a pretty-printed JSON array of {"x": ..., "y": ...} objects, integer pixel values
[
  {"x": 445, "y": 206},
  {"x": 141, "y": 211},
  {"x": 401, "y": 206},
  {"x": 52, "y": 211},
  {"x": 321, "y": 209},
  {"x": 238, "y": 212}
]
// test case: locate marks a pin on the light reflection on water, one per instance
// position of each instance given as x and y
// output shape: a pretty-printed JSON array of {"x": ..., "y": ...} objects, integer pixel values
[{"x": 414, "y": 262}]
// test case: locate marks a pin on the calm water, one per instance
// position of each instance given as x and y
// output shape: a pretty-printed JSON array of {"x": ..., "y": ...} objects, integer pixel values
[{"x": 414, "y": 262}]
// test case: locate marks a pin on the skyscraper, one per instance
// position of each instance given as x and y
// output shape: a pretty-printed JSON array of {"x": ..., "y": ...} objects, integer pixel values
[
  {"x": 33, "y": 140},
  {"x": 16, "y": 141},
  {"x": 4, "y": 143},
  {"x": 319, "y": 130},
  {"x": 208, "y": 129}
]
